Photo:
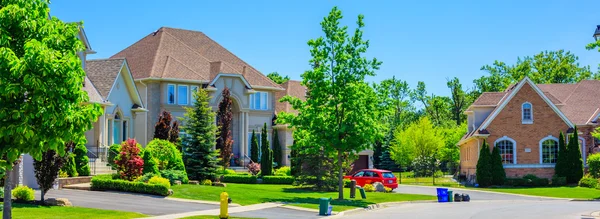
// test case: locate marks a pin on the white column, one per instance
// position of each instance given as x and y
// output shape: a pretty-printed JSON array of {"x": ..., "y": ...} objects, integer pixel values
[{"x": 242, "y": 135}]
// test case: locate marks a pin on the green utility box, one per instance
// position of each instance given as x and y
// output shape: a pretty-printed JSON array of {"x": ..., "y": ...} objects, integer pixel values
[
  {"x": 450, "y": 197},
  {"x": 324, "y": 206},
  {"x": 362, "y": 193}
]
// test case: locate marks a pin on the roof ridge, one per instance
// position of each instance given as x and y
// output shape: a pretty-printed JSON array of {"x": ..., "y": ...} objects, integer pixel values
[
  {"x": 169, "y": 57},
  {"x": 104, "y": 59},
  {"x": 187, "y": 46},
  {"x": 572, "y": 91}
]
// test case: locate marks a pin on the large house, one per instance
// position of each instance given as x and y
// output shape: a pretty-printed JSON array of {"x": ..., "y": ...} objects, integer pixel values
[{"x": 525, "y": 122}]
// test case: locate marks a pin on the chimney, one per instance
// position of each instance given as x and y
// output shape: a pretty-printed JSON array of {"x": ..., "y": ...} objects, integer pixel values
[
  {"x": 244, "y": 70},
  {"x": 215, "y": 69}
]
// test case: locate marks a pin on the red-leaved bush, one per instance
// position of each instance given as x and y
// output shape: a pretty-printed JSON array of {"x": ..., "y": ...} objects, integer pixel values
[
  {"x": 129, "y": 163},
  {"x": 253, "y": 168}
]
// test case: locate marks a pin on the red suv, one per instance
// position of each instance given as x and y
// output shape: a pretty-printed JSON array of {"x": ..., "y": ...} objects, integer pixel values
[{"x": 370, "y": 176}]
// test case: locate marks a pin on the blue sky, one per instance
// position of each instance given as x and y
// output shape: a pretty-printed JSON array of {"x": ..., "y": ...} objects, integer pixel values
[{"x": 416, "y": 40}]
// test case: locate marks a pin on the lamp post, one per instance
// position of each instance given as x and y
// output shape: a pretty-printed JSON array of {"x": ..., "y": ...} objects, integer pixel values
[{"x": 597, "y": 33}]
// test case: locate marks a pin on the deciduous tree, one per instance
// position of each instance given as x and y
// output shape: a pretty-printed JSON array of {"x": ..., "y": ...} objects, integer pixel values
[
  {"x": 420, "y": 139},
  {"x": 224, "y": 140},
  {"x": 339, "y": 106},
  {"x": 129, "y": 163},
  {"x": 46, "y": 169},
  {"x": 42, "y": 103},
  {"x": 459, "y": 100},
  {"x": 275, "y": 77}
]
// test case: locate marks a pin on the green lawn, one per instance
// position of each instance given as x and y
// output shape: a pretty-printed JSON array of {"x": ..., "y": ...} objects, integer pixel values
[
  {"x": 556, "y": 192},
  {"x": 216, "y": 217},
  {"x": 247, "y": 194},
  {"x": 25, "y": 211},
  {"x": 426, "y": 181}
]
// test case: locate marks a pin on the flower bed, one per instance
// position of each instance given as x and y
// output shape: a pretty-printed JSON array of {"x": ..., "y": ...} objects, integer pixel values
[{"x": 106, "y": 182}]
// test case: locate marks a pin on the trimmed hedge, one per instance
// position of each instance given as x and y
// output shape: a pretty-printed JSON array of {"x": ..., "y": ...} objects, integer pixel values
[
  {"x": 247, "y": 179},
  {"x": 106, "y": 182},
  {"x": 527, "y": 181},
  {"x": 588, "y": 182},
  {"x": 559, "y": 181},
  {"x": 278, "y": 180}
]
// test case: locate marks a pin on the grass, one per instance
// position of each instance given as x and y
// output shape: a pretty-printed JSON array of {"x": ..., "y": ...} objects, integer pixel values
[
  {"x": 26, "y": 211},
  {"x": 247, "y": 194},
  {"x": 556, "y": 192},
  {"x": 215, "y": 217},
  {"x": 426, "y": 181}
]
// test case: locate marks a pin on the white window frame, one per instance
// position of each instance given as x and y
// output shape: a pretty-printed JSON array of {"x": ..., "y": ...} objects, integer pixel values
[
  {"x": 549, "y": 137},
  {"x": 514, "y": 147},
  {"x": 264, "y": 99},
  {"x": 187, "y": 96},
  {"x": 523, "y": 120},
  {"x": 191, "y": 91},
  {"x": 174, "y": 94}
]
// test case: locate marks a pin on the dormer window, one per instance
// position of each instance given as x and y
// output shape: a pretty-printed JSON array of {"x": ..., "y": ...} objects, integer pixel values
[{"x": 527, "y": 113}]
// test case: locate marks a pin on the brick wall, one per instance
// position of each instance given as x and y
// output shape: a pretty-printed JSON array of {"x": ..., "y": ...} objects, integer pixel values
[{"x": 468, "y": 157}]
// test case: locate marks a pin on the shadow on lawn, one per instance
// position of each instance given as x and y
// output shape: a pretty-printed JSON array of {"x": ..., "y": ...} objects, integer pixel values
[{"x": 347, "y": 202}]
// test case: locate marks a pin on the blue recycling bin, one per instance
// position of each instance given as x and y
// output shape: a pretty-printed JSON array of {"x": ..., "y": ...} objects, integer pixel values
[{"x": 442, "y": 194}]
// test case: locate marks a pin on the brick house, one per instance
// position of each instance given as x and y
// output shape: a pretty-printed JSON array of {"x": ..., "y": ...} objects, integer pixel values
[{"x": 525, "y": 121}]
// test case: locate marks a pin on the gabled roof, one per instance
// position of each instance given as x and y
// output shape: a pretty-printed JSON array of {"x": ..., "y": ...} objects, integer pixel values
[
  {"x": 93, "y": 94},
  {"x": 292, "y": 88},
  {"x": 512, "y": 92},
  {"x": 171, "y": 53},
  {"x": 103, "y": 73}
]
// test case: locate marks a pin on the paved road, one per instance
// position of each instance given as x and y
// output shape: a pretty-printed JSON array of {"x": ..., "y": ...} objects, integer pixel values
[
  {"x": 145, "y": 204},
  {"x": 475, "y": 195},
  {"x": 278, "y": 213},
  {"x": 501, "y": 209}
]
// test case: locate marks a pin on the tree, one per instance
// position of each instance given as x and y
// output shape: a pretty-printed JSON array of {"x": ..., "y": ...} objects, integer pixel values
[
  {"x": 484, "y": 167},
  {"x": 165, "y": 129},
  {"x": 275, "y": 77},
  {"x": 46, "y": 169},
  {"x": 561, "y": 168},
  {"x": 69, "y": 165},
  {"x": 174, "y": 134},
  {"x": 266, "y": 161},
  {"x": 254, "y": 149},
  {"x": 459, "y": 100},
  {"x": 543, "y": 68},
  {"x": 129, "y": 163},
  {"x": 575, "y": 171},
  {"x": 82, "y": 162},
  {"x": 591, "y": 46},
  {"x": 150, "y": 163},
  {"x": 277, "y": 155},
  {"x": 420, "y": 139},
  {"x": 449, "y": 154},
  {"x": 199, "y": 157},
  {"x": 498, "y": 173},
  {"x": 225, "y": 141},
  {"x": 437, "y": 108},
  {"x": 339, "y": 106},
  {"x": 42, "y": 103}
]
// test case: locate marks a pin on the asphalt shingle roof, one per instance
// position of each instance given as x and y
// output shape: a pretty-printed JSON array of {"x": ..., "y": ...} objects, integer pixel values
[{"x": 103, "y": 73}]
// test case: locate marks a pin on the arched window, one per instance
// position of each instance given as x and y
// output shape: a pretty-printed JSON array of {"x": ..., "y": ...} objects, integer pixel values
[
  {"x": 548, "y": 150},
  {"x": 527, "y": 113},
  {"x": 507, "y": 149},
  {"x": 116, "y": 128}
]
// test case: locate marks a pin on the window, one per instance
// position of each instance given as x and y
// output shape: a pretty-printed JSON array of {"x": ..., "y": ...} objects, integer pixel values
[
  {"x": 182, "y": 95},
  {"x": 527, "y": 113},
  {"x": 259, "y": 101},
  {"x": 549, "y": 151},
  {"x": 369, "y": 174},
  {"x": 506, "y": 148},
  {"x": 359, "y": 174},
  {"x": 388, "y": 175},
  {"x": 116, "y": 125},
  {"x": 192, "y": 98},
  {"x": 124, "y": 130},
  {"x": 171, "y": 94}
]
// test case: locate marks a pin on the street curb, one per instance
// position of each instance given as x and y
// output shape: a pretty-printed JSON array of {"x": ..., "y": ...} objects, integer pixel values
[
  {"x": 492, "y": 192},
  {"x": 199, "y": 201},
  {"x": 378, "y": 206},
  {"x": 299, "y": 208}
]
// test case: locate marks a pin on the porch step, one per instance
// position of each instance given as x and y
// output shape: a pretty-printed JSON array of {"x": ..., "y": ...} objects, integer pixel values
[{"x": 80, "y": 186}]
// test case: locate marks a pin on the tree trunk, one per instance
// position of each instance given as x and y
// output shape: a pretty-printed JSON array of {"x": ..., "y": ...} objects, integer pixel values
[
  {"x": 43, "y": 194},
  {"x": 340, "y": 177},
  {"x": 6, "y": 213}
]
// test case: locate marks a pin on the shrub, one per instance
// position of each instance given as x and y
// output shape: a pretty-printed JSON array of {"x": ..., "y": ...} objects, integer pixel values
[
  {"x": 347, "y": 183},
  {"x": 369, "y": 188},
  {"x": 23, "y": 193},
  {"x": 253, "y": 168},
  {"x": 82, "y": 162},
  {"x": 484, "y": 166},
  {"x": 150, "y": 163},
  {"x": 588, "y": 182},
  {"x": 278, "y": 180},
  {"x": 106, "y": 182},
  {"x": 167, "y": 154},
  {"x": 593, "y": 162},
  {"x": 62, "y": 174},
  {"x": 277, "y": 153},
  {"x": 146, "y": 177},
  {"x": 528, "y": 180},
  {"x": 174, "y": 175},
  {"x": 498, "y": 173},
  {"x": 247, "y": 179},
  {"x": 388, "y": 189},
  {"x": 113, "y": 153},
  {"x": 129, "y": 163},
  {"x": 69, "y": 166},
  {"x": 157, "y": 180},
  {"x": 284, "y": 171},
  {"x": 559, "y": 180},
  {"x": 226, "y": 171},
  {"x": 206, "y": 182},
  {"x": 266, "y": 160}
]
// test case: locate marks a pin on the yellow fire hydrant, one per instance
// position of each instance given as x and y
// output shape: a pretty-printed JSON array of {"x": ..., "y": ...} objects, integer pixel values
[{"x": 224, "y": 205}]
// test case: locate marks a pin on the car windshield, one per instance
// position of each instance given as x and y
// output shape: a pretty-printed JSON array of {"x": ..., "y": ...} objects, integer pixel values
[{"x": 388, "y": 175}]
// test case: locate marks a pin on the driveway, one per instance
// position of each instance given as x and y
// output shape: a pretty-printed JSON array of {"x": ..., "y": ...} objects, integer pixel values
[
  {"x": 475, "y": 195},
  {"x": 145, "y": 204},
  {"x": 501, "y": 209}
]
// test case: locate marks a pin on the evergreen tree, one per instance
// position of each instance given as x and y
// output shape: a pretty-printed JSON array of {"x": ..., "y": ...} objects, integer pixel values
[
  {"x": 277, "y": 156},
  {"x": 199, "y": 157},
  {"x": 498, "y": 173},
  {"x": 82, "y": 162},
  {"x": 575, "y": 171},
  {"x": 254, "y": 147},
  {"x": 378, "y": 151},
  {"x": 561, "y": 168},
  {"x": 385, "y": 159},
  {"x": 484, "y": 168},
  {"x": 150, "y": 164},
  {"x": 224, "y": 121},
  {"x": 266, "y": 161},
  {"x": 294, "y": 162}
]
